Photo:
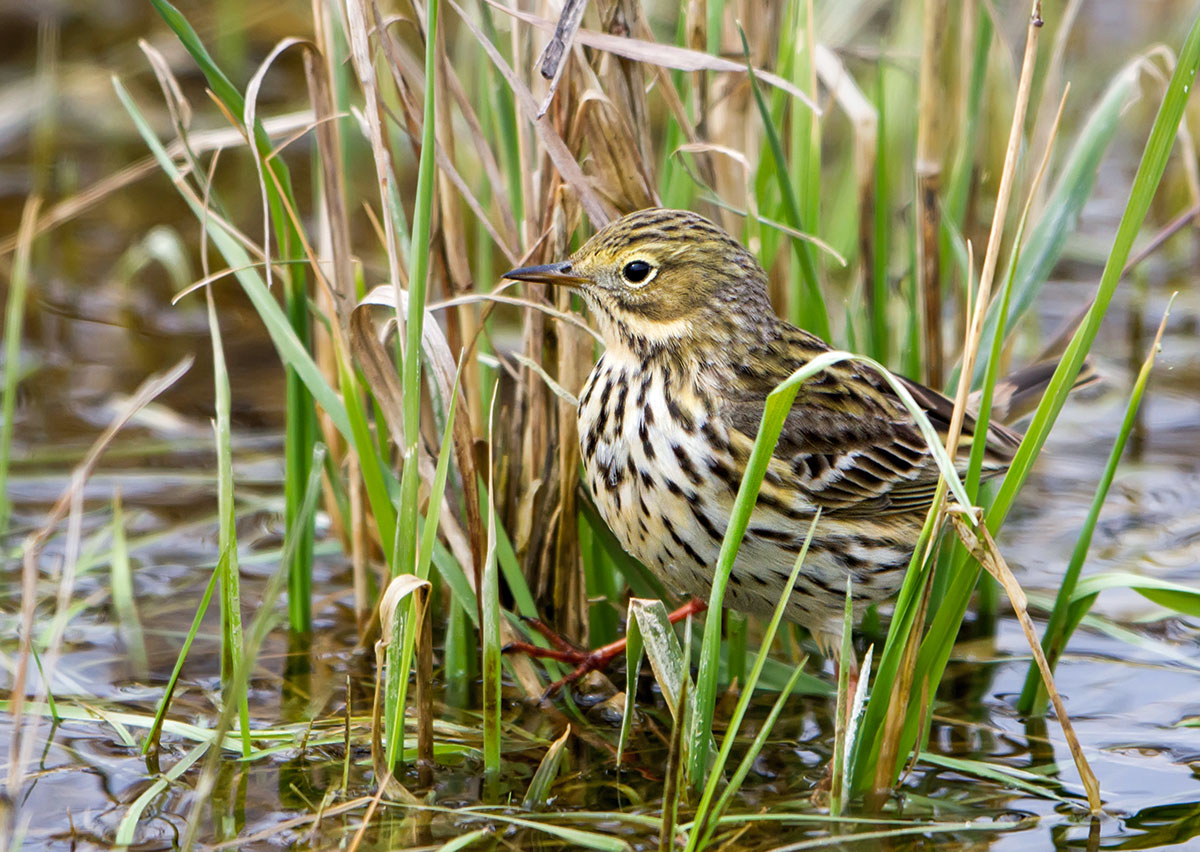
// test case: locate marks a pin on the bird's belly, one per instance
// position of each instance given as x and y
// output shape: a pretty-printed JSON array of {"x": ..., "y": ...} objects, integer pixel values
[{"x": 663, "y": 477}]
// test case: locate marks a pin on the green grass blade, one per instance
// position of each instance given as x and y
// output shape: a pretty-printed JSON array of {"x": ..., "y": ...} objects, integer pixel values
[
  {"x": 458, "y": 652},
  {"x": 546, "y": 774},
  {"x": 635, "y": 649},
  {"x": 418, "y": 279},
  {"x": 955, "y": 206},
  {"x": 880, "y": 337},
  {"x": 232, "y": 645},
  {"x": 704, "y": 822},
  {"x": 1033, "y": 698},
  {"x": 300, "y": 419},
  {"x": 377, "y": 476},
  {"x": 438, "y": 490},
  {"x": 456, "y": 581},
  {"x": 489, "y": 638},
  {"x": 837, "y": 792},
  {"x": 402, "y": 647},
  {"x": 398, "y": 613},
  {"x": 1175, "y": 596},
  {"x": 221, "y": 85},
  {"x": 657, "y": 636},
  {"x": 1008, "y": 776},
  {"x": 1145, "y": 184},
  {"x": 264, "y": 620},
  {"x": 160, "y": 715},
  {"x": 752, "y": 753},
  {"x": 505, "y": 115},
  {"x": 604, "y": 584},
  {"x": 576, "y": 838},
  {"x": 127, "y": 827},
  {"x": 465, "y": 840}
]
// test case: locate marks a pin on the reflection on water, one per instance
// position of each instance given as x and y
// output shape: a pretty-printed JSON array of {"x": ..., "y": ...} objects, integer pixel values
[{"x": 92, "y": 335}]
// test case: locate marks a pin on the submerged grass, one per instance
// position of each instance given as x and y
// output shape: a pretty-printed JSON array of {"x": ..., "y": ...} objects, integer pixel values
[{"x": 485, "y": 519}]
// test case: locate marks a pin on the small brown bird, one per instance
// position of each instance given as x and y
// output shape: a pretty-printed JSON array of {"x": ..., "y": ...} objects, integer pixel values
[{"x": 668, "y": 417}]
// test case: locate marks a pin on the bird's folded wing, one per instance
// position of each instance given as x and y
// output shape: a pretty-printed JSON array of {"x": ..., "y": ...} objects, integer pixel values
[{"x": 850, "y": 446}]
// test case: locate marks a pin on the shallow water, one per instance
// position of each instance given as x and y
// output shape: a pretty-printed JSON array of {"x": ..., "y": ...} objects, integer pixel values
[{"x": 1131, "y": 677}]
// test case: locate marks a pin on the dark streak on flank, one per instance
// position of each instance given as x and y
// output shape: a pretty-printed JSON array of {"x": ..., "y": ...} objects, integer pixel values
[
  {"x": 685, "y": 464},
  {"x": 619, "y": 411},
  {"x": 706, "y": 523},
  {"x": 686, "y": 422},
  {"x": 687, "y": 548}
]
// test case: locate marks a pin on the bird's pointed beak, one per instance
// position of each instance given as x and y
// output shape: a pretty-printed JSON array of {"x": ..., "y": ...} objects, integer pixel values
[{"x": 549, "y": 273}]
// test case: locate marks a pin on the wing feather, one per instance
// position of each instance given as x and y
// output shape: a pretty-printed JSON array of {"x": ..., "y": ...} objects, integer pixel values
[{"x": 851, "y": 445}]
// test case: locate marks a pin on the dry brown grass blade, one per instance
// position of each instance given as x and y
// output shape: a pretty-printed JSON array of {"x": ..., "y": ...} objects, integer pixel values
[
  {"x": 572, "y": 318},
  {"x": 894, "y": 722},
  {"x": 335, "y": 251},
  {"x": 1051, "y": 79},
  {"x": 23, "y": 735},
  {"x": 667, "y": 839},
  {"x": 29, "y": 573},
  {"x": 248, "y": 117},
  {"x": 995, "y": 236},
  {"x": 451, "y": 248},
  {"x": 931, "y": 143},
  {"x": 185, "y": 144},
  {"x": 336, "y": 295},
  {"x": 531, "y": 465},
  {"x": 277, "y": 829},
  {"x": 487, "y": 158},
  {"x": 358, "y": 14},
  {"x": 555, "y": 147},
  {"x": 574, "y": 351},
  {"x": 621, "y": 174},
  {"x": 657, "y": 53},
  {"x": 624, "y": 80},
  {"x": 408, "y": 76},
  {"x": 340, "y": 255},
  {"x": 179, "y": 109},
  {"x": 983, "y": 547}
]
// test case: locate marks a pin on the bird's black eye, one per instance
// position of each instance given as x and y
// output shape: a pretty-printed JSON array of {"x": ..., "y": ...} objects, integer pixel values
[{"x": 636, "y": 271}]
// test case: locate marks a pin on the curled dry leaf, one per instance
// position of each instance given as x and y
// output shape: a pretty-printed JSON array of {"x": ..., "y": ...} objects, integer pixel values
[{"x": 400, "y": 587}]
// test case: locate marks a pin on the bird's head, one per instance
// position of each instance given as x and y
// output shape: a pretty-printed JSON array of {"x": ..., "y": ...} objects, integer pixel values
[{"x": 664, "y": 279}]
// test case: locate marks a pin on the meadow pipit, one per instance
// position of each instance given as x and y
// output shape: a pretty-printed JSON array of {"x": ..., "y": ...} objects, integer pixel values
[{"x": 668, "y": 416}]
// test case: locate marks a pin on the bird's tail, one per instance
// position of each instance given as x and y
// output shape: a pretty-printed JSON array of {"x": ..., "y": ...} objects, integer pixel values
[{"x": 1019, "y": 393}]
